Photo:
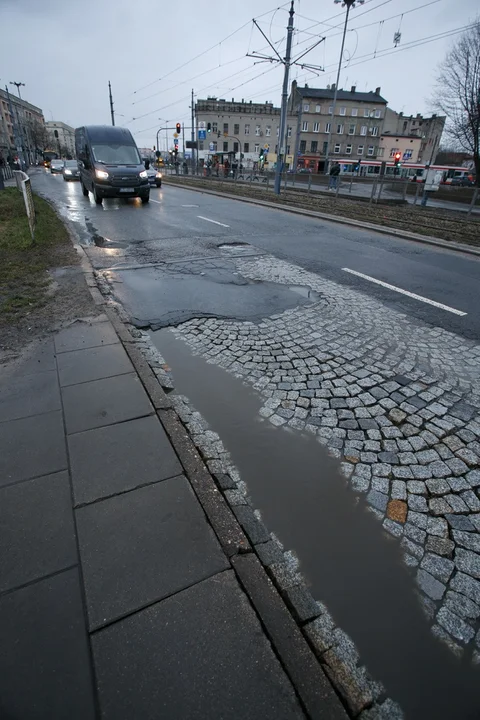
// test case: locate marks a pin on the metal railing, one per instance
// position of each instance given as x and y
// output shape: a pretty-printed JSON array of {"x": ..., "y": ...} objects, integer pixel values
[
  {"x": 7, "y": 172},
  {"x": 24, "y": 186}
]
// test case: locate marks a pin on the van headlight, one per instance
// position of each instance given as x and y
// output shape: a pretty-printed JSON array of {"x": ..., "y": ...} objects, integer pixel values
[
  {"x": 143, "y": 174},
  {"x": 158, "y": 175},
  {"x": 101, "y": 174}
]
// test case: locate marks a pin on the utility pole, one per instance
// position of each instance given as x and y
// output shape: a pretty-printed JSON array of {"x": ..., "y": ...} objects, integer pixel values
[
  {"x": 283, "y": 112},
  {"x": 193, "y": 135},
  {"x": 349, "y": 4},
  {"x": 183, "y": 140},
  {"x": 111, "y": 102},
  {"x": 18, "y": 85}
]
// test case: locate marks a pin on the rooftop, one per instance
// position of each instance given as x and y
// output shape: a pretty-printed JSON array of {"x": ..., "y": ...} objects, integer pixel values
[{"x": 328, "y": 93}]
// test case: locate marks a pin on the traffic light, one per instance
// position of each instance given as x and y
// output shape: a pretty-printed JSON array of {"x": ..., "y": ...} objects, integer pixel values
[
  {"x": 397, "y": 158},
  {"x": 209, "y": 127},
  {"x": 179, "y": 128},
  {"x": 261, "y": 154}
]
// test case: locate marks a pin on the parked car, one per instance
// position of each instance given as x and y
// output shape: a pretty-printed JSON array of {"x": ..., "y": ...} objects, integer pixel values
[
  {"x": 154, "y": 175},
  {"x": 56, "y": 166},
  {"x": 110, "y": 164},
  {"x": 462, "y": 182},
  {"x": 70, "y": 170}
]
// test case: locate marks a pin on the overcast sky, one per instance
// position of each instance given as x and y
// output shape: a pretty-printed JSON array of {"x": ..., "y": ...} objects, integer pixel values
[{"x": 66, "y": 51}]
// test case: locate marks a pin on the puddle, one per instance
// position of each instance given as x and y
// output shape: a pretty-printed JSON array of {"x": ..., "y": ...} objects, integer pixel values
[
  {"x": 104, "y": 242},
  {"x": 346, "y": 558},
  {"x": 157, "y": 297}
]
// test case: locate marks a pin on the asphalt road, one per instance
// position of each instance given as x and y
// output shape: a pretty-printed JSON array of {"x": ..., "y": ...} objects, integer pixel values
[{"x": 180, "y": 224}]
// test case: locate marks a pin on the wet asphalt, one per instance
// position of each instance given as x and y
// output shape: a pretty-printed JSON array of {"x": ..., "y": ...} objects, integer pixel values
[{"x": 169, "y": 229}]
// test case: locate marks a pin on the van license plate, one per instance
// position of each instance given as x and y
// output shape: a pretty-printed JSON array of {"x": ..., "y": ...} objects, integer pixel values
[{"x": 127, "y": 189}]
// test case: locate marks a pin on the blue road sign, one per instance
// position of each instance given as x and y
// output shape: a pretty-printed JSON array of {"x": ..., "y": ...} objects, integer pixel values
[{"x": 202, "y": 134}]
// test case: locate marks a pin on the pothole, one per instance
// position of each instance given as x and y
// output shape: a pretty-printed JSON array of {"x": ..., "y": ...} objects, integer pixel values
[
  {"x": 234, "y": 244},
  {"x": 306, "y": 292}
]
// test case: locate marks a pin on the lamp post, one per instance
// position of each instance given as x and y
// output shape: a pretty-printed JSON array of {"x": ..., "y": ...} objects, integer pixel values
[
  {"x": 18, "y": 85},
  {"x": 348, "y": 4}
]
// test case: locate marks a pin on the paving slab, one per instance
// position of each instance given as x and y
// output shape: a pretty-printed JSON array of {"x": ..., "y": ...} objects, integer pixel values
[
  {"x": 113, "y": 459},
  {"x": 40, "y": 357},
  {"x": 37, "y": 535},
  {"x": 142, "y": 546},
  {"x": 25, "y": 395},
  {"x": 78, "y": 366},
  {"x": 83, "y": 335},
  {"x": 44, "y": 656},
  {"x": 31, "y": 447},
  {"x": 104, "y": 402},
  {"x": 199, "y": 654}
]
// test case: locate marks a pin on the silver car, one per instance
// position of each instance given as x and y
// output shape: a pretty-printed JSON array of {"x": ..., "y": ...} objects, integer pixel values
[{"x": 56, "y": 166}]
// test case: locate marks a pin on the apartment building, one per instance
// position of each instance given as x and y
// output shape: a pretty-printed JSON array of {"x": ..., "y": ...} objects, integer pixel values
[
  {"x": 236, "y": 127},
  {"x": 61, "y": 137},
  {"x": 354, "y": 130},
  {"x": 428, "y": 130},
  {"x": 22, "y": 127}
]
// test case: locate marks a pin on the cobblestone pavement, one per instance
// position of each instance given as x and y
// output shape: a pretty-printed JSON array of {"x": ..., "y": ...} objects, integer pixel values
[{"x": 397, "y": 403}]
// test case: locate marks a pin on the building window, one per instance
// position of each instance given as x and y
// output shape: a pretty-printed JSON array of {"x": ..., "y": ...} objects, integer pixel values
[
  {"x": 225, "y": 128},
  {"x": 316, "y": 127},
  {"x": 363, "y": 130},
  {"x": 214, "y": 127},
  {"x": 303, "y": 146},
  {"x": 328, "y": 127},
  {"x": 360, "y": 150},
  {"x": 407, "y": 155},
  {"x": 343, "y": 111},
  {"x": 314, "y": 146},
  {"x": 236, "y": 129},
  {"x": 340, "y": 129},
  {"x": 288, "y": 149},
  {"x": 393, "y": 151},
  {"x": 304, "y": 126},
  {"x": 214, "y": 147},
  {"x": 330, "y": 110},
  {"x": 366, "y": 112},
  {"x": 289, "y": 132},
  {"x": 317, "y": 108},
  {"x": 348, "y": 150},
  {"x": 247, "y": 129},
  {"x": 235, "y": 147},
  {"x": 375, "y": 131},
  {"x": 336, "y": 148},
  {"x": 351, "y": 129},
  {"x": 378, "y": 114},
  {"x": 246, "y": 147},
  {"x": 325, "y": 147},
  {"x": 354, "y": 112},
  {"x": 257, "y": 130},
  {"x": 306, "y": 108},
  {"x": 371, "y": 149},
  {"x": 225, "y": 146},
  {"x": 257, "y": 148},
  {"x": 380, "y": 152}
]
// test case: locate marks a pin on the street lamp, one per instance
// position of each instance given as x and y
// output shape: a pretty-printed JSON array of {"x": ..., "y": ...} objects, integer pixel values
[
  {"x": 348, "y": 4},
  {"x": 18, "y": 85}
]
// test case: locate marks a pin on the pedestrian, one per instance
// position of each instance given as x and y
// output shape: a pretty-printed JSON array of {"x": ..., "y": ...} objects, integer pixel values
[{"x": 334, "y": 173}]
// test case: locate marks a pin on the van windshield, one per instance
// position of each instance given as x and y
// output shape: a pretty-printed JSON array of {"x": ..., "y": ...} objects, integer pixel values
[{"x": 111, "y": 154}]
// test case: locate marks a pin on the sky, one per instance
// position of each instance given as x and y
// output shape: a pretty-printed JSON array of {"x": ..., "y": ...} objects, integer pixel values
[{"x": 154, "y": 52}]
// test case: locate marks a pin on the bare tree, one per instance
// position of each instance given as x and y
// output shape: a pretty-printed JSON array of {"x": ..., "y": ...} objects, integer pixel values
[{"x": 458, "y": 93}]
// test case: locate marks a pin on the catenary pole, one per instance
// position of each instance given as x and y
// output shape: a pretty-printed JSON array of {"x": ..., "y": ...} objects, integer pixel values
[
  {"x": 111, "y": 103},
  {"x": 283, "y": 112}
]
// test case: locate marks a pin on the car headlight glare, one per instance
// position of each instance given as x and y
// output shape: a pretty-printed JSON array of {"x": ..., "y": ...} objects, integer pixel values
[
  {"x": 158, "y": 175},
  {"x": 68, "y": 172},
  {"x": 143, "y": 174},
  {"x": 101, "y": 174}
]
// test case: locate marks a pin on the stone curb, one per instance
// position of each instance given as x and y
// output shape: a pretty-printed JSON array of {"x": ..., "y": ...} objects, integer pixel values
[{"x": 384, "y": 230}]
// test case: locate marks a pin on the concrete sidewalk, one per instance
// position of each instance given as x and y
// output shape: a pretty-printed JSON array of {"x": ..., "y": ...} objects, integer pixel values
[{"x": 118, "y": 599}]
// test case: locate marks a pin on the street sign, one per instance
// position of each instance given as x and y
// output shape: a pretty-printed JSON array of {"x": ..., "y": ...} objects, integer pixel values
[
  {"x": 211, "y": 147},
  {"x": 201, "y": 125},
  {"x": 202, "y": 134},
  {"x": 175, "y": 135}
]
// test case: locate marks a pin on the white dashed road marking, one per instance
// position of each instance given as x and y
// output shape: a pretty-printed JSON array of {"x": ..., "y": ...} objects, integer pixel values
[
  {"x": 212, "y": 221},
  {"x": 405, "y": 292}
]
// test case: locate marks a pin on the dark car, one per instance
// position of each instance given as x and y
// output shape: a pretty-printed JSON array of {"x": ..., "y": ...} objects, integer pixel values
[
  {"x": 462, "y": 181},
  {"x": 110, "y": 164},
  {"x": 70, "y": 170},
  {"x": 56, "y": 166},
  {"x": 154, "y": 175}
]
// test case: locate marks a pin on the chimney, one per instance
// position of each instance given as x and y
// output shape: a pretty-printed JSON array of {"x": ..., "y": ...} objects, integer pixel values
[
  {"x": 332, "y": 86},
  {"x": 354, "y": 87},
  {"x": 377, "y": 90}
]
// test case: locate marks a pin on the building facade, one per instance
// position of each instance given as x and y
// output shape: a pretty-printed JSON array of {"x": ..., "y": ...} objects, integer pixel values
[
  {"x": 244, "y": 128},
  {"x": 354, "y": 130},
  {"x": 61, "y": 137},
  {"x": 22, "y": 129},
  {"x": 428, "y": 131}
]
